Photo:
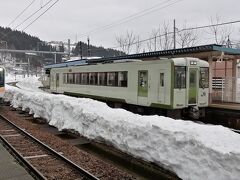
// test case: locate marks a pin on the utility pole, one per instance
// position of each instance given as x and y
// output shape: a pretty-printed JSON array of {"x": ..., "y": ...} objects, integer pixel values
[
  {"x": 229, "y": 44},
  {"x": 174, "y": 34},
  {"x": 69, "y": 48},
  {"x": 80, "y": 49},
  {"x": 88, "y": 46},
  {"x": 155, "y": 43}
]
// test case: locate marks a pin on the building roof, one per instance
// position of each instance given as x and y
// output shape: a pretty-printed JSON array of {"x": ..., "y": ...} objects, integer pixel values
[{"x": 171, "y": 52}]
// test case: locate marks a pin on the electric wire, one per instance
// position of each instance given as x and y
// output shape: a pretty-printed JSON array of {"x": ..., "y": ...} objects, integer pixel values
[
  {"x": 178, "y": 31},
  {"x": 40, "y": 15},
  {"x": 32, "y": 14},
  {"x": 133, "y": 16},
  {"x": 20, "y": 13}
]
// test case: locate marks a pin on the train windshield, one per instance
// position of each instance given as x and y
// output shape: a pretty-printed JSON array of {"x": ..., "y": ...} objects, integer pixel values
[
  {"x": 180, "y": 77},
  {"x": 1, "y": 77},
  {"x": 204, "y": 77}
]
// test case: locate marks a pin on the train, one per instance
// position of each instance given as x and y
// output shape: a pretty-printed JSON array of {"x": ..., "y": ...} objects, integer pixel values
[
  {"x": 174, "y": 87},
  {"x": 2, "y": 81}
]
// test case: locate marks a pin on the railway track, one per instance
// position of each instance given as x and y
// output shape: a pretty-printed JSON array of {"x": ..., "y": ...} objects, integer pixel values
[{"x": 42, "y": 161}]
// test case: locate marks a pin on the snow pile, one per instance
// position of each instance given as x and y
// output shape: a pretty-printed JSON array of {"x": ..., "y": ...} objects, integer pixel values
[
  {"x": 30, "y": 83},
  {"x": 191, "y": 150},
  {"x": 13, "y": 78},
  {"x": 24, "y": 82}
]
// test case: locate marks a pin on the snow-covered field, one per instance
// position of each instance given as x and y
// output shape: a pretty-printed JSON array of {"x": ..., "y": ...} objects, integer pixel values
[{"x": 191, "y": 150}]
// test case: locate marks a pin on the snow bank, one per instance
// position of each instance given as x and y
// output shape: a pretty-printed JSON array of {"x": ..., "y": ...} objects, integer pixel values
[
  {"x": 193, "y": 151},
  {"x": 30, "y": 83}
]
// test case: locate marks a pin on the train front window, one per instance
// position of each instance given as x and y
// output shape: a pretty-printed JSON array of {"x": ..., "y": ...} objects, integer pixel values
[
  {"x": 1, "y": 77},
  {"x": 204, "y": 77},
  {"x": 180, "y": 77}
]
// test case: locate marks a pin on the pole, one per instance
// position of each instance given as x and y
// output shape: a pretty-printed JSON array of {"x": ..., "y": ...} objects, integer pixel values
[
  {"x": 174, "y": 34},
  {"x": 55, "y": 58},
  {"x": 80, "y": 49},
  {"x": 28, "y": 66},
  {"x": 88, "y": 47},
  {"x": 155, "y": 43},
  {"x": 69, "y": 49}
]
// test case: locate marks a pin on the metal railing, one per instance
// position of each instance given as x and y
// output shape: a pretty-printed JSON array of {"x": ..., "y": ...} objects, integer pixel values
[{"x": 226, "y": 89}]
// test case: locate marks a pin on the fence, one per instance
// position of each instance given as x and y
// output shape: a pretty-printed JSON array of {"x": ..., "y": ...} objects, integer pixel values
[{"x": 226, "y": 89}]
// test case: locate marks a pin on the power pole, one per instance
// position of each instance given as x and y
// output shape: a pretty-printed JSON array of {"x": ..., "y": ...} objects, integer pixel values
[
  {"x": 69, "y": 48},
  {"x": 88, "y": 46},
  {"x": 174, "y": 34},
  {"x": 80, "y": 49},
  {"x": 229, "y": 44}
]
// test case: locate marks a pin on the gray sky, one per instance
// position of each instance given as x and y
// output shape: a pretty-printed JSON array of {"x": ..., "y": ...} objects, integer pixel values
[{"x": 71, "y": 18}]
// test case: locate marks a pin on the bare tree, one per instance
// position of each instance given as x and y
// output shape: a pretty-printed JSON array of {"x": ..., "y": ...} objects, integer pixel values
[
  {"x": 187, "y": 38},
  {"x": 221, "y": 33},
  {"x": 121, "y": 42},
  {"x": 126, "y": 42},
  {"x": 138, "y": 44},
  {"x": 130, "y": 39},
  {"x": 152, "y": 42},
  {"x": 165, "y": 39}
]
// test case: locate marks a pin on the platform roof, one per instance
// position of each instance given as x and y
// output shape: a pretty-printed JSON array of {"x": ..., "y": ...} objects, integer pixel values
[{"x": 165, "y": 53}]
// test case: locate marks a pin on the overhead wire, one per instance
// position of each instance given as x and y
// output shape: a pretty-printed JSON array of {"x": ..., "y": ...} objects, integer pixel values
[
  {"x": 40, "y": 15},
  {"x": 31, "y": 15},
  {"x": 20, "y": 13},
  {"x": 133, "y": 16},
  {"x": 178, "y": 31}
]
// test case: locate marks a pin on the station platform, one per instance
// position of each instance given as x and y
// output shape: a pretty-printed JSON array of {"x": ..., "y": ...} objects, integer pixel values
[
  {"x": 223, "y": 105},
  {"x": 9, "y": 167},
  {"x": 226, "y": 114}
]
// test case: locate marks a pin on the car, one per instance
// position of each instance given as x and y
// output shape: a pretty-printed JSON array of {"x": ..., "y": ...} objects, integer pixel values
[{"x": 175, "y": 87}]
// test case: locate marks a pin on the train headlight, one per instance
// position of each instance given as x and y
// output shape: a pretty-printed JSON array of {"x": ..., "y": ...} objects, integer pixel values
[{"x": 193, "y": 62}]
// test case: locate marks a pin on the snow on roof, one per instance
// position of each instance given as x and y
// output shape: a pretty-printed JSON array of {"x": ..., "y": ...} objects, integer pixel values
[{"x": 191, "y": 150}]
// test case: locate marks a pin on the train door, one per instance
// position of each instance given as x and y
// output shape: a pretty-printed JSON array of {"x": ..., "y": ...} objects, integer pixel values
[
  {"x": 57, "y": 80},
  {"x": 142, "y": 87},
  {"x": 192, "y": 90},
  {"x": 162, "y": 87},
  {"x": 52, "y": 81}
]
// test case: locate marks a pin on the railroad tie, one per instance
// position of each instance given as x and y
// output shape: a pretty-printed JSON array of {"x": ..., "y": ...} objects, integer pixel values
[
  {"x": 36, "y": 156},
  {"x": 7, "y": 130},
  {"x": 11, "y": 135}
]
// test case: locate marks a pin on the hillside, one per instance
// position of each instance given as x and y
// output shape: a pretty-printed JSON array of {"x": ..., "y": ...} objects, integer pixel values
[{"x": 20, "y": 40}]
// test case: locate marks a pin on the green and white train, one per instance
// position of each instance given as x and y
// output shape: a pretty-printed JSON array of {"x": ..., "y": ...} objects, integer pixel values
[{"x": 176, "y": 87}]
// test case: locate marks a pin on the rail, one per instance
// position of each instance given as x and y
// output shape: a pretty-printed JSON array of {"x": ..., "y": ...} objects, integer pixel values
[{"x": 86, "y": 174}]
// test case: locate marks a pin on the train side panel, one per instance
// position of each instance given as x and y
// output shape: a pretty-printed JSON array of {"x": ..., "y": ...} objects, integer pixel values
[{"x": 156, "y": 94}]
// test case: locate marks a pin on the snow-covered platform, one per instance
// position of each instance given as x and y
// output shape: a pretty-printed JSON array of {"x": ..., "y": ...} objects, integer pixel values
[
  {"x": 9, "y": 167},
  {"x": 191, "y": 150}
]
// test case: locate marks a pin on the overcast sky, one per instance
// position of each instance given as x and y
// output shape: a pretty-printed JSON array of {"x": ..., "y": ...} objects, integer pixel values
[{"x": 74, "y": 18}]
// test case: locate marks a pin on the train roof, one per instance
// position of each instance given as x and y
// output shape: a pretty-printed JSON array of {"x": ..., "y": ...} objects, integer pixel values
[{"x": 171, "y": 53}]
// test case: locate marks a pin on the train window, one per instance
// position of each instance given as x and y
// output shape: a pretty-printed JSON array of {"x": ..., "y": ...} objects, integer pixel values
[
  {"x": 204, "y": 77},
  {"x": 1, "y": 77},
  {"x": 84, "y": 78},
  {"x": 65, "y": 78},
  {"x": 180, "y": 77},
  {"x": 162, "y": 79},
  {"x": 71, "y": 78},
  {"x": 112, "y": 78},
  {"x": 93, "y": 78},
  {"x": 102, "y": 79},
  {"x": 122, "y": 79},
  {"x": 78, "y": 78}
]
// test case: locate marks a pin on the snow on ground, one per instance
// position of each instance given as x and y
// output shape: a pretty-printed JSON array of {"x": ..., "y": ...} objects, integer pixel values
[
  {"x": 25, "y": 82},
  {"x": 191, "y": 150}
]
